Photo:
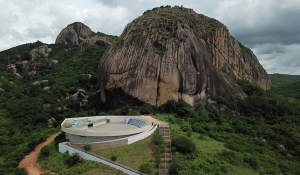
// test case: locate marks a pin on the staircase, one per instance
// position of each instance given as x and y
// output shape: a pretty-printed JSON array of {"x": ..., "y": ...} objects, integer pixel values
[{"x": 166, "y": 156}]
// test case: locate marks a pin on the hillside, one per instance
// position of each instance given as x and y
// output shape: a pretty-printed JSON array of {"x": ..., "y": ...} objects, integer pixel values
[
  {"x": 286, "y": 85},
  {"x": 173, "y": 53},
  {"x": 56, "y": 89},
  {"x": 255, "y": 134}
]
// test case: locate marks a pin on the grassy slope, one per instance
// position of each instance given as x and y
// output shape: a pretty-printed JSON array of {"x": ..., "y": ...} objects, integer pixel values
[
  {"x": 207, "y": 160},
  {"x": 228, "y": 153},
  {"x": 55, "y": 163},
  {"x": 132, "y": 155}
]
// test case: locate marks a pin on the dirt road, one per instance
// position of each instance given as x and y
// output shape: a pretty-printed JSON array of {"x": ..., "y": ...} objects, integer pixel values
[{"x": 29, "y": 162}]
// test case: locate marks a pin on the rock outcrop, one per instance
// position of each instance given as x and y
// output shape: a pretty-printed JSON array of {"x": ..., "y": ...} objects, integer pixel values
[
  {"x": 81, "y": 35},
  {"x": 11, "y": 68},
  {"x": 32, "y": 66},
  {"x": 73, "y": 34},
  {"x": 40, "y": 52},
  {"x": 95, "y": 40},
  {"x": 175, "y": 53}
]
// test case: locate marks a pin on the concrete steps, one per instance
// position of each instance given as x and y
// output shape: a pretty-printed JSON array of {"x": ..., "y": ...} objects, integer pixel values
[{"x": 166, "y": 156}]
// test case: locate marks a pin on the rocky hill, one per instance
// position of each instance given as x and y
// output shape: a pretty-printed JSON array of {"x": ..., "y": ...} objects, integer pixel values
[
  {"x": 79, "y": 34},
  {"x": 175, "y": 53}
]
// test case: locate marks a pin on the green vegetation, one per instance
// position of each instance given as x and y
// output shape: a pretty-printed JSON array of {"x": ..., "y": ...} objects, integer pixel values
[
  {"x": 146, "y": 167},
  {"x": 159, "y": 146},
  {"x": 72, "y": 160},
  {"x": 183, "y": 144},
  {"x": 255, "y": 135},
  {"x": 243, "y": 48},
  {"x": 114, "y": 37},
  {"x": 87, "y": 147},
  {"x": 286, "y": 85},
  {"x": 168, "y": 15},
  {"x": 133, "y": 155},
  {"x": 113, "y": 157},
  {"x": 23, "y": 118},
  {"x": 73, "y": 164}
]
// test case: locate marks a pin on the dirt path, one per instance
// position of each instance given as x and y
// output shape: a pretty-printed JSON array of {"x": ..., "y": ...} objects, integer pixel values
[{"x": 29, "y": 162}]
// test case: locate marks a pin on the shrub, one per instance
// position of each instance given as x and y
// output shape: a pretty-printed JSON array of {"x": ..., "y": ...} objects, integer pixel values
[
  {"x": 73, "y": 159},
  {"x": 87, "y": 147},
  {"x": 32, "y": 144},
  {"x": 183, "y": 144},
  {"x": 252, "y": 161},
  {"x": 157, "y": 138},
  {"x": 157, "y": 159},
  {"x": 45, "y": 151},
  {"x": 113, "y": 157},
  {"x": 145, "y": 167}
]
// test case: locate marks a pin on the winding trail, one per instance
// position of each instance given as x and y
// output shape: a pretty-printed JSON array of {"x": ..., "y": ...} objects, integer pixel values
[{"x": 29, "y": 162}]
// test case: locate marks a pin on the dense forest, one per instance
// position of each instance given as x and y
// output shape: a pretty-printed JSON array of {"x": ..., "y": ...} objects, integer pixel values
[{"x": 259, "y": 133}]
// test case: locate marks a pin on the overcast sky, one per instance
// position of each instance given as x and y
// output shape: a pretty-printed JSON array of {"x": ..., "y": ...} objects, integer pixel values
[{"x": 271, "y": 28}]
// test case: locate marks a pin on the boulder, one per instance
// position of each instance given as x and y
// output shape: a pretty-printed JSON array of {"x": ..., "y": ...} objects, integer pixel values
[
  {"x": 40, "y": 52},
  {"x": 46, "y": 88},
  {"x": 11, "y": 68},
  {"x": 53, "y": 61},
  {"x": 17, "y": 76},
  {"x": 52, "y": 122},
  {"x": 46, "y": 105},
  {"x": 42, "y": 82}
]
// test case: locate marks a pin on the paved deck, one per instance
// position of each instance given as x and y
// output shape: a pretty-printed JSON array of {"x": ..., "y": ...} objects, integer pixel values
[{"x": 112, "y": 127}]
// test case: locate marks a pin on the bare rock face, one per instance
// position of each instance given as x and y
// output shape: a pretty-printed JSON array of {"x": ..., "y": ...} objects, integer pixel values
[
  {"x": 175, "y": 53},
  {"x": 73, "y": 34},
  {"x": 232, "y": 58}
]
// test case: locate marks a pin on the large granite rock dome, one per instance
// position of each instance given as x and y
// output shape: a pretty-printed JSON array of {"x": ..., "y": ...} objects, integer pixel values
[{"x": 175, "y": 53}]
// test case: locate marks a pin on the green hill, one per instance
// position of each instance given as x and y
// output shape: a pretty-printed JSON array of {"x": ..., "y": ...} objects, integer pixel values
[
  {"x": 255, "y": 135},
  {"x": 60, "y": 89},
  {"x": 286, "y": 85}
]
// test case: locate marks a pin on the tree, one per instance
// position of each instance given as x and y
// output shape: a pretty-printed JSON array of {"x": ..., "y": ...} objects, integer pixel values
[
  {"x": 45, "y": 151},
  {"x": 183, "y": 144},
  {"x": 26, "y": 56},
  {"x": 73, "y": 159}
]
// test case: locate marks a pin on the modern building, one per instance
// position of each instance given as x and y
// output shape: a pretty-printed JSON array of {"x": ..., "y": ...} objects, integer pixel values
[{"x": 106, "y": 131}]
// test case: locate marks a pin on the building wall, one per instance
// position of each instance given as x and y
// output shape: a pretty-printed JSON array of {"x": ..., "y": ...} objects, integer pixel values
[
  {"x": 88, "y": 139},
  {"x": 104, "y": 145},
  {"x": 104, "y": 133},
  {"x": 141, "y": 136},
  {"x": 118, "y": 142}
]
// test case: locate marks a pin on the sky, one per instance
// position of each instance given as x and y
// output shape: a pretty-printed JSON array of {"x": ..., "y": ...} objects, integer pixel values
[{"x": 270, "y": 28}]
